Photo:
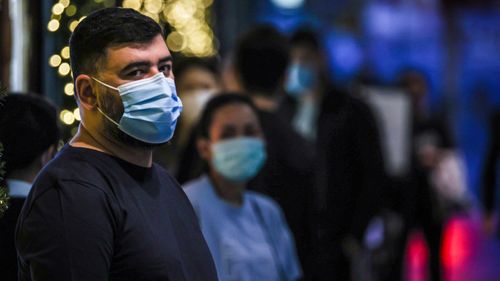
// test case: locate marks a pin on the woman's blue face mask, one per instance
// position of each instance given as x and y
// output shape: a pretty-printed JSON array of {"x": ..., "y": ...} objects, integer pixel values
[
  {"x": 238, "y": 159},
  {"x": 151, "y": 108}
]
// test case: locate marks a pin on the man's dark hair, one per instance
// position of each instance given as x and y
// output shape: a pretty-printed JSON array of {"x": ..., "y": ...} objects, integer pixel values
[
  {"x": 183, "y": 64},
  {"x": 305, "y": 37},
  {"x": 260, "y": 58},
  {"x": 219, "y": 101},
  {"x": 106, "y": 28},
  {"x": 28, "y": 127}
]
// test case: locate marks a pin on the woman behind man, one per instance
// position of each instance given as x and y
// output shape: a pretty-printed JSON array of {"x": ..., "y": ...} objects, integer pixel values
[{"x": 245, "y": 231}]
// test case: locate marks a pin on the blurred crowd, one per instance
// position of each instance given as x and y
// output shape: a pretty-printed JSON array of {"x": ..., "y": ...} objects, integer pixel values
[{"x": 291, "y": 176}]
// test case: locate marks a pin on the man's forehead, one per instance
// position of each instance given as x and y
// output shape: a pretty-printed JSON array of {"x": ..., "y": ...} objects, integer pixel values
[{"x": 123, "y": 54}]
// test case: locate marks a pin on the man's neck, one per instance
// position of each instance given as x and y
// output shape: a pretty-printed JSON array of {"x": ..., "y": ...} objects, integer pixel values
[{"x": 135, "y": 155}]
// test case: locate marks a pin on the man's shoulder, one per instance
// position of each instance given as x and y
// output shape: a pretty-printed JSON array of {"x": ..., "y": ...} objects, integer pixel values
[{"x": 69, "y": 167}]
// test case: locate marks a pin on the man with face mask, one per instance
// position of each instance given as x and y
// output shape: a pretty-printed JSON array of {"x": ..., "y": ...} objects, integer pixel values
[
  {"x": 102, "y": 210},
  {"x": 306, "y": 83}
]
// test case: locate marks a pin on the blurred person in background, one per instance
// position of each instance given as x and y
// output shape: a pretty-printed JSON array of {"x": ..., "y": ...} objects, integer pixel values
[
  {"x": 245, "y": 231},
  {"x": 102, "y": 210},
  {"x": 306, "y": 83},
  {"x": 434, "y": 187},
  {"x": 197, "y": 80},
  {"x": 490, "y": 176},
  {"x": 258, "y": 69},
  {"x": 350, "y": 179},
  {"x": 29, "y": 133}
]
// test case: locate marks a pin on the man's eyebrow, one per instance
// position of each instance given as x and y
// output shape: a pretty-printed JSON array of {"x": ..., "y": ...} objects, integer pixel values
[
  {"x": 135, "y": 64},
  {"x": 165, "y": 59}
]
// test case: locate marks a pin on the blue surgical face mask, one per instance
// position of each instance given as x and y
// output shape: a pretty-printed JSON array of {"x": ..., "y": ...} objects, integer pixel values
[
  {"x": 300, "y": 79},
  {"x": 238, "y": 159},
  {"x": 151, "y": 108}
]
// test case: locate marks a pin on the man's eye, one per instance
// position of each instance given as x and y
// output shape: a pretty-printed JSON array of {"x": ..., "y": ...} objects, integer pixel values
[
  {"x": 165, "y": 68},
  {"x": 136, "y": 73}
]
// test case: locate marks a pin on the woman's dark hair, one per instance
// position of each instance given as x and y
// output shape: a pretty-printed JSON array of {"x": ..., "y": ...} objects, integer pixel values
[
  {"x": 219, "y": 101},
  {"x": 106, "y": 28}
]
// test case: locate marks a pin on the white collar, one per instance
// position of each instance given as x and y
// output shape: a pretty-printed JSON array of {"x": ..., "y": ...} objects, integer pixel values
[{"x": 18, "y": 188}]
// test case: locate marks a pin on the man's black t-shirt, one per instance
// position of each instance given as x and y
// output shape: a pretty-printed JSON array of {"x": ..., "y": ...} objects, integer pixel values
[{"x": 92, "y": 216}]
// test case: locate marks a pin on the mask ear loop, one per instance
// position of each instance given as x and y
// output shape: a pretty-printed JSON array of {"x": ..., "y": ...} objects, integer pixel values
[
  {"x": 107, "y": 117},
  {"x": 99, "y": 109},
  {"x": 104, "y": 84}
]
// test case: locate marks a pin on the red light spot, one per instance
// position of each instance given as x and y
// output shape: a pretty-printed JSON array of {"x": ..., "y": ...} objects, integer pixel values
[{"x": 457, "y": 242}]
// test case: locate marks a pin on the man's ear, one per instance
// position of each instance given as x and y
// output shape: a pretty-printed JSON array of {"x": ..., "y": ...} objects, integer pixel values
[
  {"x": 85, "y": 93},
  {"x": 203, "y": 146}
]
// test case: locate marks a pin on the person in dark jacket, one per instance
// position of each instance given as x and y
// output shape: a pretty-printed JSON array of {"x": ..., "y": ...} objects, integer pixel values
[
  {"x": 489, "y": 174},
  {"x": 29, "y": 134}
]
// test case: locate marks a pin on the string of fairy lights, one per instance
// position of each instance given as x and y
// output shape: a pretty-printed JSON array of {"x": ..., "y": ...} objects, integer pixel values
[{"x": 188, "y": 22}]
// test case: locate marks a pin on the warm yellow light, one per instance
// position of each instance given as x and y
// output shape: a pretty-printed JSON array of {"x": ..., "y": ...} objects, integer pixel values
[
  {"x": 181, "y": 13},
  {"x": 58, "y": 9},
  {"x": 71, "y": 10},
  {"x": 176, "y": 42},
  {"x": 132, "y": 4},
  {"x": 153, "y": 6},
  {"x": 207, "y": 3},
  {"x": 67, "y": 117},
  {"x": 69, "y": 89},
  {"x": 53, "y": 25},
  {"x": 64, "y": 69},
  {"x": 65, "y": 52},
  {"x": 155, "y": 17},
  {"x": 98, "y": 1},
  {"x": 76, "y": 113},
  {"x": 55, "y": 60},
  {"x": 65, "y": 3},
  {"x": 73, "y": 25}
]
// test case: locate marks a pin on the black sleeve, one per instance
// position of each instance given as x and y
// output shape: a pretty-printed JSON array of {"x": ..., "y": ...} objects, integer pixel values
[
  {"x": 66, "y": 233},
  {"x": 491, "y": 159},
  {"x": 371, "y": 169}
]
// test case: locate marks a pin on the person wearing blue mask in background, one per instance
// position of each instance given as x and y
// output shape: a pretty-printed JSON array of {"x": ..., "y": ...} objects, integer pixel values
[
  {"x": 102, "y": 210},
  {"x": 305, "y": 84},
  {"x": 245, "y": 231}
]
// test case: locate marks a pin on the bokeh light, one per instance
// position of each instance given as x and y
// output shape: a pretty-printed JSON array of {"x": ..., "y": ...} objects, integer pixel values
[
  {"x": 176, "y": 41},
  {"x": 65, "y": 52},
  {"x": 69, "y": 89},
  {"x": 191, "y": 32},
  {"x": 64, "y": 69},
  {"x": 53, "y": 25},
  {"x": 67, "y": 117},
  {"x": 73, "y": 25},
  {"x": 132, "y": 4},
  {"x": 55, "y": 60},
  {"x": 65, "y": 3},
  {"x": 153, "y": 6},
  {"x": 71, "y": 10},
  {"x": 76, "y": 113},
  {"x": 58, "y": 9}
]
